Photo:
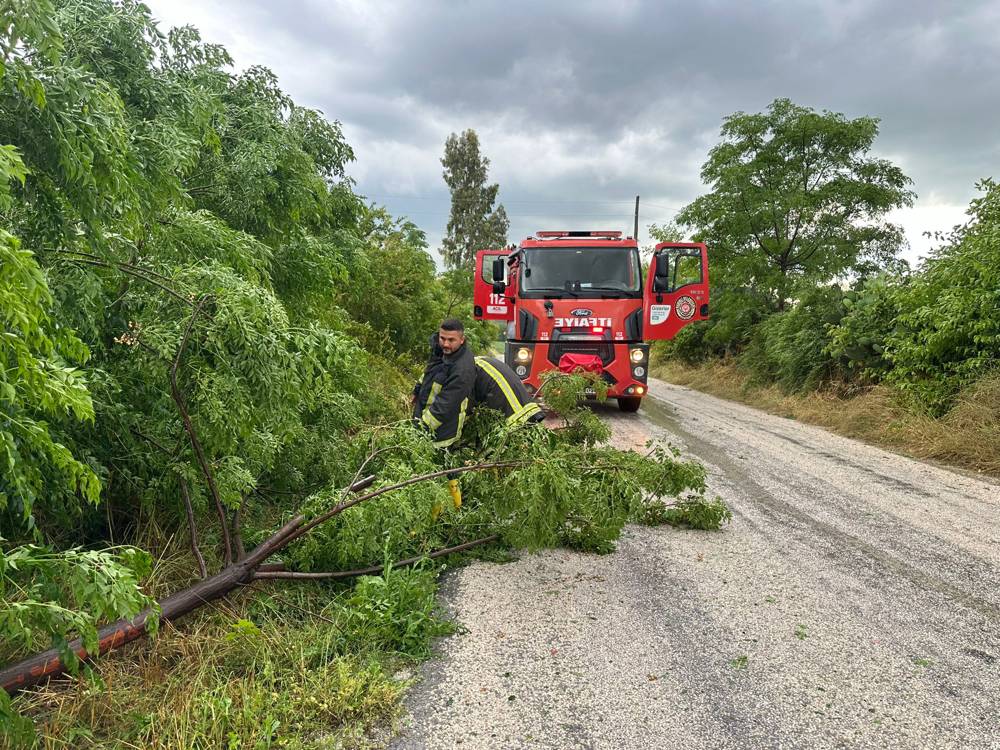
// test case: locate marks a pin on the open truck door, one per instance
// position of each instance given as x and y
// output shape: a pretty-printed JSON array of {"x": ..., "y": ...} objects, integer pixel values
[
  {"x": 489, "y": 296},
  {"x": 676, "y": 289}
]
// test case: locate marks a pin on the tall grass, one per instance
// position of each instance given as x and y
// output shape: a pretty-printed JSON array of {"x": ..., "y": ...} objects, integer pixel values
[
  {"x": 967, "y": 436},
  {"x": 303, "y": 666}
]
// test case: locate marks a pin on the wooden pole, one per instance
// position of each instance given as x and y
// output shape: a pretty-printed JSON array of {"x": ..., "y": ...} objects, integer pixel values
[{"x": 635, "y": 230}]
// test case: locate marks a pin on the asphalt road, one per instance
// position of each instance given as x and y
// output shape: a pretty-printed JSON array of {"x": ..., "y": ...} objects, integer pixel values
[{"x": 853, "y": 602}]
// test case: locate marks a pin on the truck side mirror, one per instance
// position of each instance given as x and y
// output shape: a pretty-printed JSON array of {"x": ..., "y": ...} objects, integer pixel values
[
  {"x": 661, "y": 273},
  {"x": 499, "y": 270},
  {"x": 499, "y": 287},
  {"x": 662, "y": 264}
]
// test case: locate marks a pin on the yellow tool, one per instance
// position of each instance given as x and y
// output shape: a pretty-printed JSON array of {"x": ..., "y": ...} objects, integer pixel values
[{"x": 456, "y": 493}]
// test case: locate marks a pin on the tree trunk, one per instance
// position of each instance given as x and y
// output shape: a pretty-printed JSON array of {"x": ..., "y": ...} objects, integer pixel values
[{"x": 50, "y": 663}]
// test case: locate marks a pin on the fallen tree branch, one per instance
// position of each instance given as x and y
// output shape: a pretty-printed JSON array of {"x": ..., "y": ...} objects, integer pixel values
[
  {"x": 341, "y": 507},
  {"x": 50, "y": 663},
  {"x": 277, "y": 570}
]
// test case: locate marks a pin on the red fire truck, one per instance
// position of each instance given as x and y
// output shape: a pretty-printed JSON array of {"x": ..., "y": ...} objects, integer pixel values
[{"x": 580, "y": 299}]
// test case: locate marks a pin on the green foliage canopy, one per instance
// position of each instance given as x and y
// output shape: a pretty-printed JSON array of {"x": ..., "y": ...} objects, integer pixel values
[{"x": 795, "y": 197}]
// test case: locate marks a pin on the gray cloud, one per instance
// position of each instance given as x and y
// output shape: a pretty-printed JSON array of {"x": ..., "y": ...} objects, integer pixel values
[{"x": 581, "y": 105}]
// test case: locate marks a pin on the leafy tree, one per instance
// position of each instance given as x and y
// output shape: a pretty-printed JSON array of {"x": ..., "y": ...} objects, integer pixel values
[
  {"x": 37, "y": 381},
  {"x": 796, "y": 200},
  {"x": 474, "y": 223},
  {"x": 46, "y": 594},
  {"x": 394, "y": 287},
  {"x": 668, "y": 232}
]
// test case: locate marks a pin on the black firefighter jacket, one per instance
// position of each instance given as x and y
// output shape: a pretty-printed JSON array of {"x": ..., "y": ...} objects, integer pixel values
[
  {"x": 449, "y": 397},
  {"x": 498, "y": 387}
]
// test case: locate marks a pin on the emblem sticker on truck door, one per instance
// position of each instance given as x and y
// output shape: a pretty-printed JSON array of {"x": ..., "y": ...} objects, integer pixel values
[
  {"x": 685, "y": 308},
  {"x": 658, "y": 314}
]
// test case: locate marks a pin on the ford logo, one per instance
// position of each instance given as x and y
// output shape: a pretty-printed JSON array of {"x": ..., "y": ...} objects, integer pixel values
[{"x": 581, "y": 312}]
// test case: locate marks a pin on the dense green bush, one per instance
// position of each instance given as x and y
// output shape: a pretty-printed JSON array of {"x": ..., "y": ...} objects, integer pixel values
[
  {"x": 947, "y": 332},
  {"x": 858, "y": 341},
  {"x": 790, "y": 347}
]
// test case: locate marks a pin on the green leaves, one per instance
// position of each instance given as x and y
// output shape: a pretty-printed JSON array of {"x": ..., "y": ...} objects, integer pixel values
[
  {"x": 48, "y": 598},
  {"x": 62, "y": 595},
  {"x": 947, "y": 332},
  {"x": 36, "y": 382},
  {"x": 395, "y": 612}
]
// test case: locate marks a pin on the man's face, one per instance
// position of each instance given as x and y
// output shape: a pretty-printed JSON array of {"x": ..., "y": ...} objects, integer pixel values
[{"x": 450, "y": 341}]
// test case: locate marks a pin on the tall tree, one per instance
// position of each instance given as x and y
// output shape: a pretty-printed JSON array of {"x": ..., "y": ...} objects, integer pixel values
[
  {"x": 795, "y": 198},
  {"x": 474, "y": 223}
]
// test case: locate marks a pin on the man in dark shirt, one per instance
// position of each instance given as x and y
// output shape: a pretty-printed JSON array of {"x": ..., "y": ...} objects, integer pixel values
[
  {"x": 444, "y": 394},
  {"x": 450, "y": 388}
]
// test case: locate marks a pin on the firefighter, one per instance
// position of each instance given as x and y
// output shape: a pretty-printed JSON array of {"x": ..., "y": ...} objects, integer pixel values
[
  {"x": 449, "y": 393},
  {"x": 444, "y": 397},
  {"x": 498, "y": 387},
  {"x": 456, "y": 382}
]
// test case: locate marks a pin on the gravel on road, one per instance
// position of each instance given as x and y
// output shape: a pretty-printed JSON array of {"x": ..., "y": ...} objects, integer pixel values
[{"x": 853, "y": 602}]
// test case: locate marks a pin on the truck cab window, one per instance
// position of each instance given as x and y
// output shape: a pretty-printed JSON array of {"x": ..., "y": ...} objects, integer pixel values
[
  {"x": 687, "y": 270},
  {"x": 603, "y": 270}
]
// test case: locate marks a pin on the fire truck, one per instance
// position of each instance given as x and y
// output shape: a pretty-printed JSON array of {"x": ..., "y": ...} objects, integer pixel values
[{"x": 581, "y": 300}]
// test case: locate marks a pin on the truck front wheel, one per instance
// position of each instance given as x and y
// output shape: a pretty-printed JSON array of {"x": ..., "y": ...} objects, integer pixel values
[{"x": 629, "y": 403}]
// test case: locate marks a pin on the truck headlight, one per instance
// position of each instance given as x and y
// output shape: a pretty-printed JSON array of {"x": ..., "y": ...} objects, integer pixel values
[
  {"x": 523, "y": 354},
  {"x": 637, "y": 355}
]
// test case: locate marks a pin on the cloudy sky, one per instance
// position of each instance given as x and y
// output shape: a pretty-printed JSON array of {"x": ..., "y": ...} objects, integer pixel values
[{"x": 582, "y": 105}]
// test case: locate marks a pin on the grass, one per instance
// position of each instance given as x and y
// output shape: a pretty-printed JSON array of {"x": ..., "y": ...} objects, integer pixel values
[
  {"x": 275, "y": 666},
  {"x": 968, "y": 436}
]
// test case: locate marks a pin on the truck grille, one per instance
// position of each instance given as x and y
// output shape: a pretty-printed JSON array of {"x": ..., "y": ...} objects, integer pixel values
[{"x": 603, "y": 349}]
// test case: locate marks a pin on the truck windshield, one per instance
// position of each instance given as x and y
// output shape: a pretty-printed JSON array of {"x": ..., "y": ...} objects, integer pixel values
[{"x": 581, "y": 272}]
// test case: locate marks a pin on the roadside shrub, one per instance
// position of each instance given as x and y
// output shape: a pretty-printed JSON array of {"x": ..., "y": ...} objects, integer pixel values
[
  {"x": 790, "y": 347},
  {"x": 858, "y": 342},
  {"x": 394, "y": 613},
  {"x": 948, "y": 329},
  {"x": 688, "y": 345}
]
